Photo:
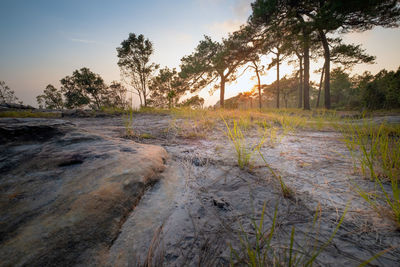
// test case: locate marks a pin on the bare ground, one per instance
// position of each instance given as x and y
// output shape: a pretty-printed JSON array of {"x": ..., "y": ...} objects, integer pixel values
[{"x": 205, "y": 201}]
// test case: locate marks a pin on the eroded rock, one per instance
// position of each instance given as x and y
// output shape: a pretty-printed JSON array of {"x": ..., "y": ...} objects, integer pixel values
[{"x": 65, "y": 192}]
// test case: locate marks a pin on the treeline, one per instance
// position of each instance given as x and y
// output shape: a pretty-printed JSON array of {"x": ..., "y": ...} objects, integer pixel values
[
  {"x": 380, "y": 91},
  {"x": 83, "y": 89},
  {"x": 296, "y": 32}
]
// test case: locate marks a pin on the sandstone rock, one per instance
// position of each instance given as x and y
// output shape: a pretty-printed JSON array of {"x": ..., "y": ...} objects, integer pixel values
[{"x": 66, "y": 192}]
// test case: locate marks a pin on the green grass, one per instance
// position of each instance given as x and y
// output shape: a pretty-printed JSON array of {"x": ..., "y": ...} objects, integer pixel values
[
  {"x": 244, "y": 151},
  {"x": 286, "y": 191},
  {"x": 257, "y": 249},
  {"x": 29, "y": 114},
  {"x": 376, "y": 151},
  {"x": 128, "y": 122}
]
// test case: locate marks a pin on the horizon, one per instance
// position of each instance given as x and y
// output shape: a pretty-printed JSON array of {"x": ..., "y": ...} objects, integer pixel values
[{"x": 44, "y": 41}]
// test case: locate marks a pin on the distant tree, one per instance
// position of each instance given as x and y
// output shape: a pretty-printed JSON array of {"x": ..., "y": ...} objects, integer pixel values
[
  {"x": 278, "y": 46},
  {"x": 51, "y": 98},
  {"x": 382, "y": 91},
  {"x": 214, "y": 61},
  {"x": 340, "y": 87},
  {"x": 312, "y": 17},
  {"x": 346, "y": 55},
  {"x": 346, "y": 15},
  {"x": 193, "y": 102},
  {"x": 259, "y": 70},
  {"x": 83, "y": 88},
  {"x": 115, "y": 96},
  {"x": 166, "y": 88},
  {"x": 134, "y": 61},
  {"x": 7, "y": 95}
]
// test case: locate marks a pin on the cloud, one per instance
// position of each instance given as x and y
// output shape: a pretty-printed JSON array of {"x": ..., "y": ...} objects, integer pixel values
[
  {"x": 223, "y": 28},
  {"x": 84, "y": 41},
  {"x": 242, "y": 9}
]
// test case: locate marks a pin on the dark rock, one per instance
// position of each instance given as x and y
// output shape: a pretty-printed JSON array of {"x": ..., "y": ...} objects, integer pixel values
[
  {"x": 7, "y": 106},
  {"x": 20, "y": 130},
  {"x": 199, "y": 162},
  {"x": 66, "y": 192},
  {"x": 220, "y": 203}
]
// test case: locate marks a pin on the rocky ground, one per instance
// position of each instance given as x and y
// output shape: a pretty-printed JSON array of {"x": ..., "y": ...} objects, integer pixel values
[{"x": 80, "y": 192}]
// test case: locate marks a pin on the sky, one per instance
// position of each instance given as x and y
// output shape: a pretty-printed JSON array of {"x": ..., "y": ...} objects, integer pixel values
[{"x": 43, "y": 41}]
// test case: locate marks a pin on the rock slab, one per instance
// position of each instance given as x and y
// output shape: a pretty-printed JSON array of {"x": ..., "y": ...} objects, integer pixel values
[{"x": 66, "y": 192}]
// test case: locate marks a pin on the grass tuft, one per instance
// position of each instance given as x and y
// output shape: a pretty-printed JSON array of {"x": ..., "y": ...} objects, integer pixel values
[
  {"x": 244, "y": 151},
  {"x": 260, "y": 251},
  {"x": 376, "y": 151}
]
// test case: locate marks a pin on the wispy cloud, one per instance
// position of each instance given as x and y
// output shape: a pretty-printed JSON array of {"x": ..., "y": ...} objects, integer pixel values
[
  {"x": 223, "y": 28},
  {"x": 84, "y": 41},
  {"x": 241, "y": 10}
]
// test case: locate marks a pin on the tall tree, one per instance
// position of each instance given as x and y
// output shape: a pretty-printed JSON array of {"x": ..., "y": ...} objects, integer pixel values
[
  {"x": 7, "y": 95},
  {"x": 278, "y": 46},
  {"x": 289, "y": 16},
  {"x": 345, "y": 15},
  {"x": 83, "y": 88},
  {"x": 214, "y": 61},
  {"x": 167, "y": 88},
  {"x": 134, "y": 61},
  {"x": 51, "y": 98},
  {"x": 324, "y": 17},
  {"x": 259, "y": 70},
  {"x": 115, "y": 96}
]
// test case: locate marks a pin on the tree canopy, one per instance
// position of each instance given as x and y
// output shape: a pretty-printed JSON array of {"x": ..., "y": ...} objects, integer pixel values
[
  {"x": 83, "y": 88},
  {"x": 7, "y": 95},
  {"x": 134, "y": 61},
  {"x": 51, "y": 98},
  {"x": 215, "y": 61}
]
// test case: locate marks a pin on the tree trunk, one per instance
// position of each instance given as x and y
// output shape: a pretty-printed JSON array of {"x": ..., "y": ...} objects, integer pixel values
[
  {"x": 327, "y": 56},
  {"x": 320, "y": 86},
  {"x": 277, "y": 80},
  {"x": 306, "y": 70},
  {"x": 301, "y": 84},
  {"x": 140, "y": 98},
  {"x": 259, "y": 89},
  {"x": 222, "y": 92}
]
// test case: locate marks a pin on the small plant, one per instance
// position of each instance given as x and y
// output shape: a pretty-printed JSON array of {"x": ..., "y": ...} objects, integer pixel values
[
  {"x": 376, "y": 149},
  {"x": 129, "y": 123},
  {"x": 260, "y": 250},
  {"x": 286, "y": 191},
  {"x": 243, "y": 150},
  {"x": 146, "y": 136}
]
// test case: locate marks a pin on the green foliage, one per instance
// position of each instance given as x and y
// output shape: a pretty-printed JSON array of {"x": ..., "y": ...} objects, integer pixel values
[
  {"x": 214, "y": 61},
  {"x": 193, "y": 102},
  {"x": 380, "y": 91},
  {"x": 51, "y": 98},
  {"x": 340, "y": 88},
  {"x": 134, "y": 62},
  {"x": 167, "y": 88},
  {"x": 115, "y": 96},
  {"x": 83, "y": 88},
  {"x": 7, "y": 95}
]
